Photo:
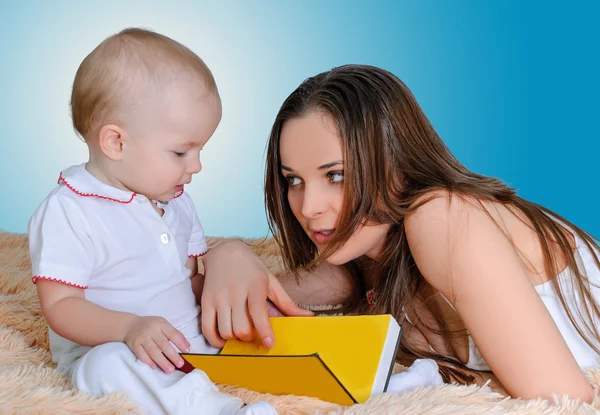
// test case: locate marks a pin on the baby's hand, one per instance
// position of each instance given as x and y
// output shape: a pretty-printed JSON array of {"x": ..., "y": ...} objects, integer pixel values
[{"x": 150, "y": 339}]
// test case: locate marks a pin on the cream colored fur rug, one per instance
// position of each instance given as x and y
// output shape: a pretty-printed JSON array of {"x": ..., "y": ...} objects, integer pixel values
[{"x": 29, "y": 384}]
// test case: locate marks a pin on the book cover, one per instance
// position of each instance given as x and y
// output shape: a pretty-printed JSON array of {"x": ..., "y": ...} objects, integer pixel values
[{"x": 340, "y": 359}]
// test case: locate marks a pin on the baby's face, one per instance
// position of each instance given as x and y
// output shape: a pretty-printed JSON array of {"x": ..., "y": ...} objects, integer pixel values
[{"x": 165, "y": 135}]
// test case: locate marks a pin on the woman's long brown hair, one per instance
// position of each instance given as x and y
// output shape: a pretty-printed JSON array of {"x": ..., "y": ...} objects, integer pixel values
[{"x": 394, "y": 161}]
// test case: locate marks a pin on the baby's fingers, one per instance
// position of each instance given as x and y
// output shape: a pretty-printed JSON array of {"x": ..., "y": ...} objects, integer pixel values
[
  {"x": 143, "y": 356},
  {"x": 159, "y": 358},
  {"x": 169, "y": 351},
  {"x": 177, "y": 338}
]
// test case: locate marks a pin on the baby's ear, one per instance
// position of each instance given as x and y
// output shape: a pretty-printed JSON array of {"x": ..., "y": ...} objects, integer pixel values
[{"x": 110, "y": 141}]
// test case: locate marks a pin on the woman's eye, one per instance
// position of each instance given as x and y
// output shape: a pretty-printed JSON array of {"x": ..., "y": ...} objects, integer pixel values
[
  {"x": 336, "y": 176},
  {"x": 293, "y": 180}
]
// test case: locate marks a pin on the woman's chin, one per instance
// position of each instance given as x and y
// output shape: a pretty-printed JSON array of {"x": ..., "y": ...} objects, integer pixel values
[
  {"x": 338, "y": 259},
  {"x": 342, "y": 256}
]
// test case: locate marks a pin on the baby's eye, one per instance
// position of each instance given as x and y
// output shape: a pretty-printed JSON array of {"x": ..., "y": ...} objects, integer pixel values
[
  {"x": 336, "y": 176},
  {"x": 293, "y": 180},
  {"x": 178, "y": 154}
]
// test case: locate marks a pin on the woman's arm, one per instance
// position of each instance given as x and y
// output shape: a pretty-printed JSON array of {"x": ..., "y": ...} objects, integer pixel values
[{"x": 462, "y": 253}]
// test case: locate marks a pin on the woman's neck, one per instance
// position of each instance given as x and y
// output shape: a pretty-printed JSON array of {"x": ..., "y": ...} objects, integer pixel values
[{"x": 371, "y": 271}]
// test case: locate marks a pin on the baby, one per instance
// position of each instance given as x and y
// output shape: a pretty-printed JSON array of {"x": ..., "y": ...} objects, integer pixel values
[{"x": 114, "y": 246}]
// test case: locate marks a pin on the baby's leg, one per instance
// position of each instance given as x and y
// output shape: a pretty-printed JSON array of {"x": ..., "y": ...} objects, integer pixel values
[
  {"x": 200, "y": 345},
  {"x": 113, "y": 367}
]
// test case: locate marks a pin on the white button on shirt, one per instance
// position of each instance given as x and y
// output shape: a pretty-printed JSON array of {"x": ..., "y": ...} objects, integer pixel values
[{"x": 125, "y": 255}]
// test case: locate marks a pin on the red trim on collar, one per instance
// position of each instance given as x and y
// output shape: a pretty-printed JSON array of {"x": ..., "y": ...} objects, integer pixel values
[
  {"x": 62, "y": 179},
  {"x": 198, "y": 255},
  {"x": 41, "y": 277}
]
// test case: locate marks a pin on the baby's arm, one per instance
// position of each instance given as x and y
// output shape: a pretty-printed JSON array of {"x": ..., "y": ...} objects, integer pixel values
[
  {"x": 197, "y": 247},
  {"x": 62, "y": 248},
  {"x": 71, "y": 316},
  {"x": 196, "y": 277}
]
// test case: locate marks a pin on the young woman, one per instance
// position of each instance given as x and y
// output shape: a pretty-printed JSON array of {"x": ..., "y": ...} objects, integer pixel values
[{"x": 372, "y": 210}]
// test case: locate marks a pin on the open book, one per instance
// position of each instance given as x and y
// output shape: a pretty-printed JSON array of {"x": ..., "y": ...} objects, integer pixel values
[{"x": 340, "y": 359}]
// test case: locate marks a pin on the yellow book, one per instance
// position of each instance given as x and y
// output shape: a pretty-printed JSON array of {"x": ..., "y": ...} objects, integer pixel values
[{"x": 340, "y": 359}]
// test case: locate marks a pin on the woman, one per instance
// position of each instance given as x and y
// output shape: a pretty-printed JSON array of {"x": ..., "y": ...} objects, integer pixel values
[{"x": 371, "y": 210}]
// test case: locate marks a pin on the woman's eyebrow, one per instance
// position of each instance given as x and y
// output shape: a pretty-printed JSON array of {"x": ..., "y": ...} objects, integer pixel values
[
  {"x": 329, "y": 165},
  {"x": 323, "y": 167}
]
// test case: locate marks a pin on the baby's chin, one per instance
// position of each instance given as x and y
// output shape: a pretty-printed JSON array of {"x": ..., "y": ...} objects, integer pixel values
[{"x": 169, "y": 195}]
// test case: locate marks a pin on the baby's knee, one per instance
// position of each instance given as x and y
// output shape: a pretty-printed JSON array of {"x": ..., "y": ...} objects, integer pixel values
[
  {"x": 107, "y": 355},
  {"x": 100, "y": 370}
]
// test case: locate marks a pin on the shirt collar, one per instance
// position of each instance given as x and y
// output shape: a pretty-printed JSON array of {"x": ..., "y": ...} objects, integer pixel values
[{"x": 81, "y": 181}]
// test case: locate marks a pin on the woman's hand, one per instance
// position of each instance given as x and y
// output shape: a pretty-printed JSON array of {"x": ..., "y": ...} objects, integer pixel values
[{"x": 236, "y": 289}]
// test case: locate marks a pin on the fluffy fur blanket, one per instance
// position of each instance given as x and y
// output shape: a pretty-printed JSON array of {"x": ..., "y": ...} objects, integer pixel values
[{"x": 31, "y": 385}]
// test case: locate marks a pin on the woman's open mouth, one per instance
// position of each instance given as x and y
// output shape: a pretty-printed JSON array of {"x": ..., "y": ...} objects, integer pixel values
[{"x": 323, "y": 236}]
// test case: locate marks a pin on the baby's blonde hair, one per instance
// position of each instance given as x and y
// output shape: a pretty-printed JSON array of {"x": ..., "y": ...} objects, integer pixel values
[{"x": 108, "y": 80}]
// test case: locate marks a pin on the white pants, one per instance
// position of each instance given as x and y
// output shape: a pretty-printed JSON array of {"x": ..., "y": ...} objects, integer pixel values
[{"x": 113, "y": 367}]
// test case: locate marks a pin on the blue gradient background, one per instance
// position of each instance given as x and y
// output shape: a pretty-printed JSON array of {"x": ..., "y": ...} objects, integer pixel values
[{"x": 512, "y": 87}]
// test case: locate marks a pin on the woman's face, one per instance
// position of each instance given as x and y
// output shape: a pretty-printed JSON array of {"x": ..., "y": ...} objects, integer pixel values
[{"x": 313, "y": 164}]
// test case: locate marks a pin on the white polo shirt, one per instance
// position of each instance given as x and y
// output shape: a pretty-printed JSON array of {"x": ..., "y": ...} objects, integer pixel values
[{"x": 113, "y": 244}]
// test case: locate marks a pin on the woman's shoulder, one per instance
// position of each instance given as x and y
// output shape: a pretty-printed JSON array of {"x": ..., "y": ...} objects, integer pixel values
[
  {"x": 453, "y": 208},
  {"x": 442, "y": 207},
  {"x": 448, "y": 228}
]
